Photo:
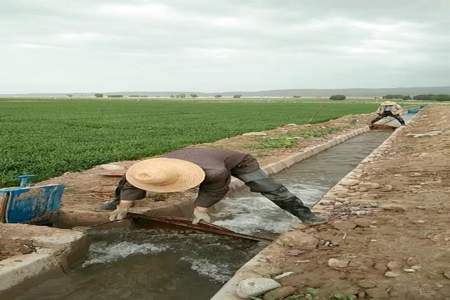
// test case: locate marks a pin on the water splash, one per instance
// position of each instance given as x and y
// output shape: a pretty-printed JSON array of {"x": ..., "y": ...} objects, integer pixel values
[
  {"x": 216, "y": 271},
  {"x": 254, "y": 214},
  {"x": 104, "y": 252}
]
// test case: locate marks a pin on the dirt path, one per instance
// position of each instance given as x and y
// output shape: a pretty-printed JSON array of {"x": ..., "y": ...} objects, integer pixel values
[
  {"x": 401, "y": 249},
  {"x": 85, "y": 190}
]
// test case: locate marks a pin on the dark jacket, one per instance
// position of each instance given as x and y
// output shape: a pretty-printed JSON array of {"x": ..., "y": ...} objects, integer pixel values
[{"x": 219, "y": 165}]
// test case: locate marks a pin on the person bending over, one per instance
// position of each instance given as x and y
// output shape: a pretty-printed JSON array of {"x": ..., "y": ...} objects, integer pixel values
[
  {"x": 389, "y": 109},
  {"x": 211, "y": 170}
]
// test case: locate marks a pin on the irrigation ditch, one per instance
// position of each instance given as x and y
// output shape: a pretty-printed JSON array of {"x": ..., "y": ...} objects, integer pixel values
[{"x": 159, "y": 264}]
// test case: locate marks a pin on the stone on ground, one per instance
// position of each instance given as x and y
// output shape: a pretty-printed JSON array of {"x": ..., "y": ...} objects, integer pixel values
[
  {"x": 252, "y": 287},
  {"x": 338, "y": 263}
]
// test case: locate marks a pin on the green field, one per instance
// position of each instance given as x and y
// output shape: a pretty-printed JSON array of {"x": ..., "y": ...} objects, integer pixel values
[{"x": 48, "y": 138}]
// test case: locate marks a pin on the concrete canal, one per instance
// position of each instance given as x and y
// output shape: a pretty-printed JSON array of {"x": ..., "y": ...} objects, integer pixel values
[{"x": 142, "y": 264}]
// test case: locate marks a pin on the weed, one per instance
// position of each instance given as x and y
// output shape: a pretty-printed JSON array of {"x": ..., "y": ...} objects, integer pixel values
[{"x": 273, "y": 143}]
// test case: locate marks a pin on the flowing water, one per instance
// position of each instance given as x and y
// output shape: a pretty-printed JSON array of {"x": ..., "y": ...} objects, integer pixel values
[{"x": 138, "y": 264}]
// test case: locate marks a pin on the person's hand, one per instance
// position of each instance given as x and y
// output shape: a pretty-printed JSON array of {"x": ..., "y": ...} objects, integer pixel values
[
  {"x": 201, "y": 214},
  {"x": 121, "y": 211}
]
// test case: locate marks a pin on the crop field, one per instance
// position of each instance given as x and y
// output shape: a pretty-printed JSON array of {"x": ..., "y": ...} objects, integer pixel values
[{"x": 49, "y": 137}]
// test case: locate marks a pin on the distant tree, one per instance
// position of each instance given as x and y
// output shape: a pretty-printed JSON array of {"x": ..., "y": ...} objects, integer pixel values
[
  {"x": 338, "y": 97},
  {"x": 407, "y": 97},
  {"x": 396, "y": 96},
  {"x": 439, "y": 97},
  {"x": 297, "y": 96},
  {"x": 218, "y": 96},
  {"x": 194, "y": 95},
  {"x": 98, "y": 95},
  {"x": 69, "y": 95},
  {"x": 172, "y": 96},
  {"x": 115, "y": 96},
  {"x": 237, "y": 96}
]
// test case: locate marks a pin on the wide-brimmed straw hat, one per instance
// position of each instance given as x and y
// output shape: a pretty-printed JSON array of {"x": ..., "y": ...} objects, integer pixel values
[{"x": 165, "y": 175}]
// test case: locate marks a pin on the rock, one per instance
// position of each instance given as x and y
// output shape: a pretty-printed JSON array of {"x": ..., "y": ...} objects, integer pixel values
[
  {"x": 409, "y": 270},
  {"x": 419, "y": 222},
  {"x": 280, "y": 293},
  {"x": 391, "y": 274},
  {"x": 446, "y": 274},
  {"x": 393, "y": 207},
  {"x": 394, "y": 265},
  {"x": 412, "y": 261},
  {"x": 370, "y": 185},
  {"x": 299, "y": 240},
  {"x": 387, "y": 188},
  {"x": 252, "y": 287},
  {"x": 427, "y": 134},
  {"x": 416, "y": 268},
  {"x": 291, "y": 124},
  {"x": 255, "y": 134},
  {"x": 367, "y": 284},
  {"x": 349, "y": 182},
  {"x": 338, "y": 263},
  {"x": 285, "y": 274}
]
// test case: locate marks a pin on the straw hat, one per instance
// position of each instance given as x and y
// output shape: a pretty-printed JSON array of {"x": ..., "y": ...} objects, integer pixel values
[
  {"x": 388, "y": 103},
  {"x": 165, "y": 175}
]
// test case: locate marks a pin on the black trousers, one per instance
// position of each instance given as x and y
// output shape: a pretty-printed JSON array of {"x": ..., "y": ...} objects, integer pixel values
[
  {"x": 259, "y": 182},
  {"x": 388, "y": 114}
]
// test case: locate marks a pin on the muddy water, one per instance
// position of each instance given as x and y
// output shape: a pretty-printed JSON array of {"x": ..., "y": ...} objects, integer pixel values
[{"x": 161, "y": 265}]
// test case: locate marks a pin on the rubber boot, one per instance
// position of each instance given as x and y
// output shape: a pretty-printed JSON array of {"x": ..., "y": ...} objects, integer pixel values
[
  {"x": 108, "y": 205},
  {"x": 258, "y": 181},
  {"x": 308, "y": 217},
  {"x": 294, "y": 205}
]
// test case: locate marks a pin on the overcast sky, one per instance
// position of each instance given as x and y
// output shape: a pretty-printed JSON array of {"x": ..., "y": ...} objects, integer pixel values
[{"x": 222, "y": 45}]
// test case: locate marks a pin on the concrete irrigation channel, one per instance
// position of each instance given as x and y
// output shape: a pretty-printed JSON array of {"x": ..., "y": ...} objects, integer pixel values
[{"x": 125, "y": 263}]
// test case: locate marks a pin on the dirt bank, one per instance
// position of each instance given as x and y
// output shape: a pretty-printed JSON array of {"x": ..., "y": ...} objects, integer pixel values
[
  {"x": 390, "y": 237},
  {"x": 85, "y": 190}
]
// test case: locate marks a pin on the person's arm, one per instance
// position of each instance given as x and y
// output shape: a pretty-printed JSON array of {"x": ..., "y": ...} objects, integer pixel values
[
  {"x": 380, "y": 109},
  {"x": 397, "y": 109},
  {"x": 211, "y": 191},
  {"x": 127, "y": 194}
]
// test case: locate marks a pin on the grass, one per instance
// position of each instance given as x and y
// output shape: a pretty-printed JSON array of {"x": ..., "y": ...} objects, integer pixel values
[
  {"x": 307, "y": 133},
  {"x": 49, "y": 137},
  {"x": 289, "y": 140},
  {"x": 273, "y": 143}
]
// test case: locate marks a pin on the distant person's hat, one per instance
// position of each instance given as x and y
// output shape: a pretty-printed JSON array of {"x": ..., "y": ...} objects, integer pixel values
[
  {"x": 165, "y": 175},
  {"x": 388, "y": 103}
]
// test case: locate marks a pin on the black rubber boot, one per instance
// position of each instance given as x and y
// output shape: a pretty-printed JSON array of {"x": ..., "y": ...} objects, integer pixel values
[
  {"x": 295, "y": 206},
  {"x": 259, "y": 182},
  {"x": 109, "y": 205},
  {"x": 308, "y": 217}
]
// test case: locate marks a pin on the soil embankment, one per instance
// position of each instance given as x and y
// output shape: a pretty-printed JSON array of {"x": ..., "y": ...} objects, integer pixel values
[{"x": 390, "y": 236}]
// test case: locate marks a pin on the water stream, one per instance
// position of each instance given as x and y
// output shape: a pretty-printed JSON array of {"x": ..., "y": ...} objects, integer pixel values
[{"x": 138, "y": 264}]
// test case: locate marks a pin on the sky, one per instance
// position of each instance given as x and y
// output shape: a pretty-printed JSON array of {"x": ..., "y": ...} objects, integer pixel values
[{"x": 222, "y": 45}]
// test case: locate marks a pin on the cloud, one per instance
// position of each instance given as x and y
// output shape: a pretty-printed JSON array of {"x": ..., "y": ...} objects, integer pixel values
[
  {"x": 147, "y": 10},
  {"x": 175, "y": 44}
]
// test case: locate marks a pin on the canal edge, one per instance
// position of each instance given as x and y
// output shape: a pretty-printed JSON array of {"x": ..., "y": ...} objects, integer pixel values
[{"x": 324, "y": 206}]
